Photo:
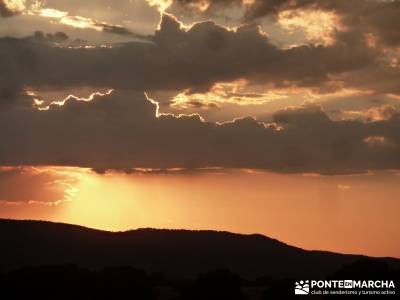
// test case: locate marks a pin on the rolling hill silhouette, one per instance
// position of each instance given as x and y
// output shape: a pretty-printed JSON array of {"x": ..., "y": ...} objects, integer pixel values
[{"x": 175, "y": 253}]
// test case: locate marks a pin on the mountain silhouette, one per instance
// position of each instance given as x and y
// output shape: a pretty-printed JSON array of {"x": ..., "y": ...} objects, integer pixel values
[{"x": 175, "y": 253}]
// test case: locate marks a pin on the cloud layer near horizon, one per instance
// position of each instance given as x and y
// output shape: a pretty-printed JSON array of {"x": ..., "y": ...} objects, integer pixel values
[{"x": 122, "y": 131}]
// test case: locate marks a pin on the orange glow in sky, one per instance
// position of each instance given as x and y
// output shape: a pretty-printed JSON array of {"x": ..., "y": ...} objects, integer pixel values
[{"x": 350, "y": 214}]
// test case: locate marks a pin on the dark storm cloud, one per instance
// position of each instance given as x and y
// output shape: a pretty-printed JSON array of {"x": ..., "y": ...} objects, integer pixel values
[
  {"x": 121, "y": 131},
  {"x": 380, "y": 17},
  {"x": 177, "y": 59},
  {"x": 258, "y": 8}
]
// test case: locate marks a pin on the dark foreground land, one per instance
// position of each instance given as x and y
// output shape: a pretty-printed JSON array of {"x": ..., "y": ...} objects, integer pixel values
[{"x": 63, "y": 261}]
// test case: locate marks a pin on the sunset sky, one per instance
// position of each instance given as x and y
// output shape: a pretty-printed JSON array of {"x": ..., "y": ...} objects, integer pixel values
[{"x": 279, "y": 117}]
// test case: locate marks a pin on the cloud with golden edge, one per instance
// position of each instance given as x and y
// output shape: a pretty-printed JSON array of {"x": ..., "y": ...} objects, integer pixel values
[
  {"x": 236, "y": 92},
  {"x": 63, "y": 17},
  {"x": 161, "y": 5},
  {"x": 373, "y": 114},
  {"x": 11, "y": 7},
  {"x": 41, "y": 104},
  {"x": 318, "y": 25}
]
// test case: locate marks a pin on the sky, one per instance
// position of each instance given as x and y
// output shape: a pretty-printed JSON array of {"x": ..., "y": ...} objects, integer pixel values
[{"x": 255, "y": 116}]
